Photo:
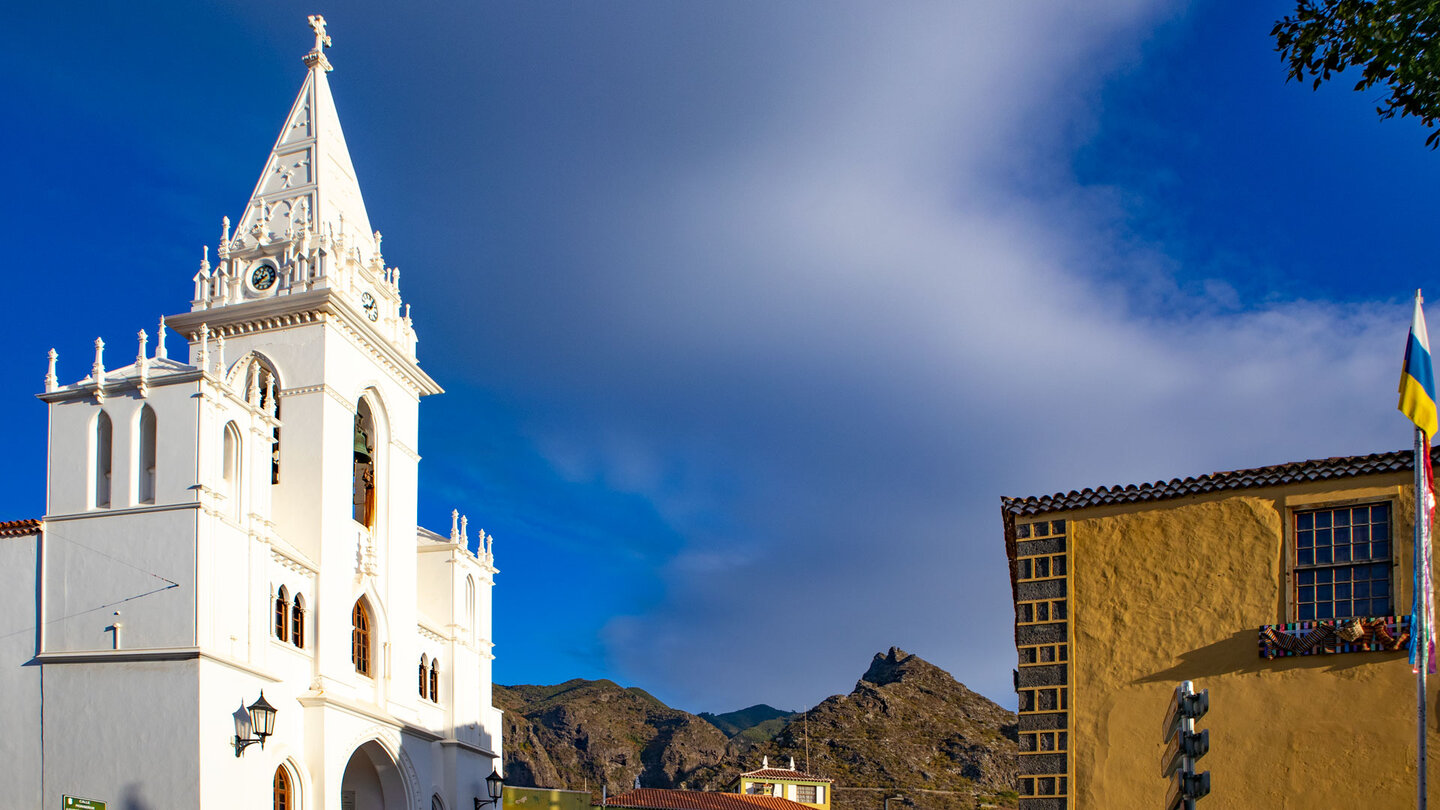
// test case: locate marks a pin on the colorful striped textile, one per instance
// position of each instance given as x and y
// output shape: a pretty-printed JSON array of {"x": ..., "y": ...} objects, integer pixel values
[
  {"x": 1379, "y": 634},
  {"x": 1417, "y": 378},
  {"x": 1422, "y": 608},
  {"x": 1417, "y": 402}
]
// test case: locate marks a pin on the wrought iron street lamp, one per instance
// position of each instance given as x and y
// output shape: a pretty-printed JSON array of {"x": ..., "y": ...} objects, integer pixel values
[
  {"x": 494, "y": 784},
  {"x": 259, "y": 720}
]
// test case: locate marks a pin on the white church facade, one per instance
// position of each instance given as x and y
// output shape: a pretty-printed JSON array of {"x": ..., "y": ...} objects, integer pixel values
[{"x": 242, "y": 521}]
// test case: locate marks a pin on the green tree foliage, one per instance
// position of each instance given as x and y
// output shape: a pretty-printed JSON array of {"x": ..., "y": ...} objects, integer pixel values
[{"x": 1393, "y": 42}]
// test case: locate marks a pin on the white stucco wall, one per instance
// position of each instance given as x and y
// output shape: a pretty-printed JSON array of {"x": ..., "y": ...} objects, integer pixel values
[
  {"x": 140, "y": 566},
  {"x": 122, "y": 732},
  {"x": 19, "y": 672}
]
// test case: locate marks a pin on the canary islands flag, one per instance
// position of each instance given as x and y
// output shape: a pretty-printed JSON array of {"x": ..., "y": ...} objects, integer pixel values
[
  {"x": 1417, "y": 379},
  {"x": 1417, "y": 401}
]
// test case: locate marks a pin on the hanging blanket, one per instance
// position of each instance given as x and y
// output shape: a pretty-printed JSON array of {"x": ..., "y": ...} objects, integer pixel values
[{"x": 1382, "y": 634}]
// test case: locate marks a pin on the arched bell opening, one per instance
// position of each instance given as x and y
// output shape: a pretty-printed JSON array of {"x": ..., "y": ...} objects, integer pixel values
[
  {"x": 363, "y": 483},
  {"x": 262, "y": 389}
]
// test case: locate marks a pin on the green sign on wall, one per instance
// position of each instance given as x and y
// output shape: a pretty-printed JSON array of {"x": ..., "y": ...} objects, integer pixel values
[{"x": 74, "y": 803}]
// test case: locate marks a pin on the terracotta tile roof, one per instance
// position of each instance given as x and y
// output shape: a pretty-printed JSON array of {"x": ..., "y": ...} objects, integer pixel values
[
  {"x": 785, "y": 773},
  {"x": 1296, "y": 472},
  {"x": 662, "y": 799},
  {"x": 17, "y": 528}
]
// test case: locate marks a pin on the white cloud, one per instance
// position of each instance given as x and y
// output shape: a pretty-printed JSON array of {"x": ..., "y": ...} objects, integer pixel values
[{"x": 823, "y": 343}]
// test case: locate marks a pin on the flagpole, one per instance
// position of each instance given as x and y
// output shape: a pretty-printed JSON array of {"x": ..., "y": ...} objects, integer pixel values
[{"x": 1418, "y": 635}]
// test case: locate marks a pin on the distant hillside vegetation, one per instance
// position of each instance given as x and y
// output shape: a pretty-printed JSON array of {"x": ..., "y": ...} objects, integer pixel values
[
  {"x": 733, "y": 723},
  {"x": 907, "y": 729}
]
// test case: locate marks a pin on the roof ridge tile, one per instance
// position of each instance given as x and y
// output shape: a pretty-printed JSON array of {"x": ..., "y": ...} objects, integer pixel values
[{"x": 1313, "y": 470}]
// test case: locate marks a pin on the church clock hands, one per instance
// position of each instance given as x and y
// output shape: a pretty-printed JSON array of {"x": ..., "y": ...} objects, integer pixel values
[
  {"x": 372, "y": 307},
  {"x": 262, "y": 277}
]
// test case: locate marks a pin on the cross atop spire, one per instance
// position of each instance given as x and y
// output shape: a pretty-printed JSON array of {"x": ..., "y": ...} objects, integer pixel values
[
  {"x": 316, "y": 56},
  {"x": 317, "y": 23},
  {"x": 308, "y": 186}
]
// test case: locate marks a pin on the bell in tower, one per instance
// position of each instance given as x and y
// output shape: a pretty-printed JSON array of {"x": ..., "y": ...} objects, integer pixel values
[{"x": 364, "y": 472}]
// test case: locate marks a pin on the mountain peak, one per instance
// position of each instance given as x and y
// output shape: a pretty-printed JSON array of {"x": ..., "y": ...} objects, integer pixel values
[
  {"x": 895, "y": 665},
  {"x": 909, "y": 727}
]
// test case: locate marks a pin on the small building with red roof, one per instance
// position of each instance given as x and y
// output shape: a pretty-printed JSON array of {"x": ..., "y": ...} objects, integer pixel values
[
  {"x": 766, "y": 788},
  {"x": 786, "y": 783},
  {"x": 664, "y": 799}
]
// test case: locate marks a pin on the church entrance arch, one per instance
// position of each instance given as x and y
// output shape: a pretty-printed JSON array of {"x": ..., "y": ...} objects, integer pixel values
[{"x": 372, "y": 781}]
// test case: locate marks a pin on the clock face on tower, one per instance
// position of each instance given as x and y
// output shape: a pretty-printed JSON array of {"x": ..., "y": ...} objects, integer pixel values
[
  {"x": 262, "y": 277},
  {"x": 372, "y": 307}
]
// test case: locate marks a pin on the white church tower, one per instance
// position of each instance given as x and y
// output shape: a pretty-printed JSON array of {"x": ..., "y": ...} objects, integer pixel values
[{"x": 243, "y": 520}]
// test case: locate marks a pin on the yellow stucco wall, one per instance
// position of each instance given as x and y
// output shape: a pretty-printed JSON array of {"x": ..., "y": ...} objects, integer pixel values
[
  {"x": 528, "y": 798},
  {"x": 1176, "y": 590},
  {"x": 822, "y": 789}
]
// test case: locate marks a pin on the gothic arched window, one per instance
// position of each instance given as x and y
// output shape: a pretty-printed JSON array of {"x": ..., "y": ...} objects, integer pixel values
[
  {"x": 103, "y": 433},
  {"x": 282, "y": 614},
  {"x": 282, "y": 790},
  {"x": 363, "y": 481},
  {"x": 360, "y": 637},
  {"x": 470, "y": 606},
  {"x": 297, "y": 621},
  {"x": 262, "y": 387},
  {"x": 435, "y": 680},
  {"x": 230, "y": 467},
  {"x": 145, "y": 472},
  {"x": 424, "y": 673}
]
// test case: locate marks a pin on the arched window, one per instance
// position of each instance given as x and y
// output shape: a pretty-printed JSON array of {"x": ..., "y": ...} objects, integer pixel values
[
  {"x": 360, "y": 638},
  {"x": 470, "y": 607},
  {"x": 282, "y": 614},
  {"x": 297, "y": 621},
  {"x": 230, "y": 467},
  {"x": 260, "y": 379},
  {"x": 103, "y": 433},
  {"x": 283, "y": 791},
  {"x": 424, "y": 673},
  {"x": 145, "y": 474},
  {"x": 363, "y": 481},
  {"x": 435, "y": 680}
]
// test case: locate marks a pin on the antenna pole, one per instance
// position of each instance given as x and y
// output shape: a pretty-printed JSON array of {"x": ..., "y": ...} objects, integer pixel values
[{"x": 807, "y": 740}]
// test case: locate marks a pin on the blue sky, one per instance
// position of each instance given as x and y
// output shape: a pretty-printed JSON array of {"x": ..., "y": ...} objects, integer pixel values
[{"x": 749, "y": 312}]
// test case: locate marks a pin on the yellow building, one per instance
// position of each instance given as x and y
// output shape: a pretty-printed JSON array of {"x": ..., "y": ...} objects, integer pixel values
[
  {"x": 1247, "y": 583},
  {"x": 666, "y": 799},
  {"x": 786, "y": 783},
  {"x": 534, "y": 798}
]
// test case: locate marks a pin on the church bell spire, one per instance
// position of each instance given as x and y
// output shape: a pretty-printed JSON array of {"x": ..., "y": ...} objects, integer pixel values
[
  {"x": 305, "y": 228},
  {"x": 308, "y": 186}
]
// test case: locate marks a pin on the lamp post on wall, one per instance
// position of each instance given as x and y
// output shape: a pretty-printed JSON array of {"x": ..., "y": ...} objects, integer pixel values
[
  {"x": 259, "y": 720},
  {"x": 1183, "y": 746},
  {"x": 494, "y": 784}
]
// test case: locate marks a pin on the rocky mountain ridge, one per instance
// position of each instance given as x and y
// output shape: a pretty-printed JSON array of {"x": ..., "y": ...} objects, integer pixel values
[
  {"x": 758, "y": 722},
  {"x": 908, "y": 729}
]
